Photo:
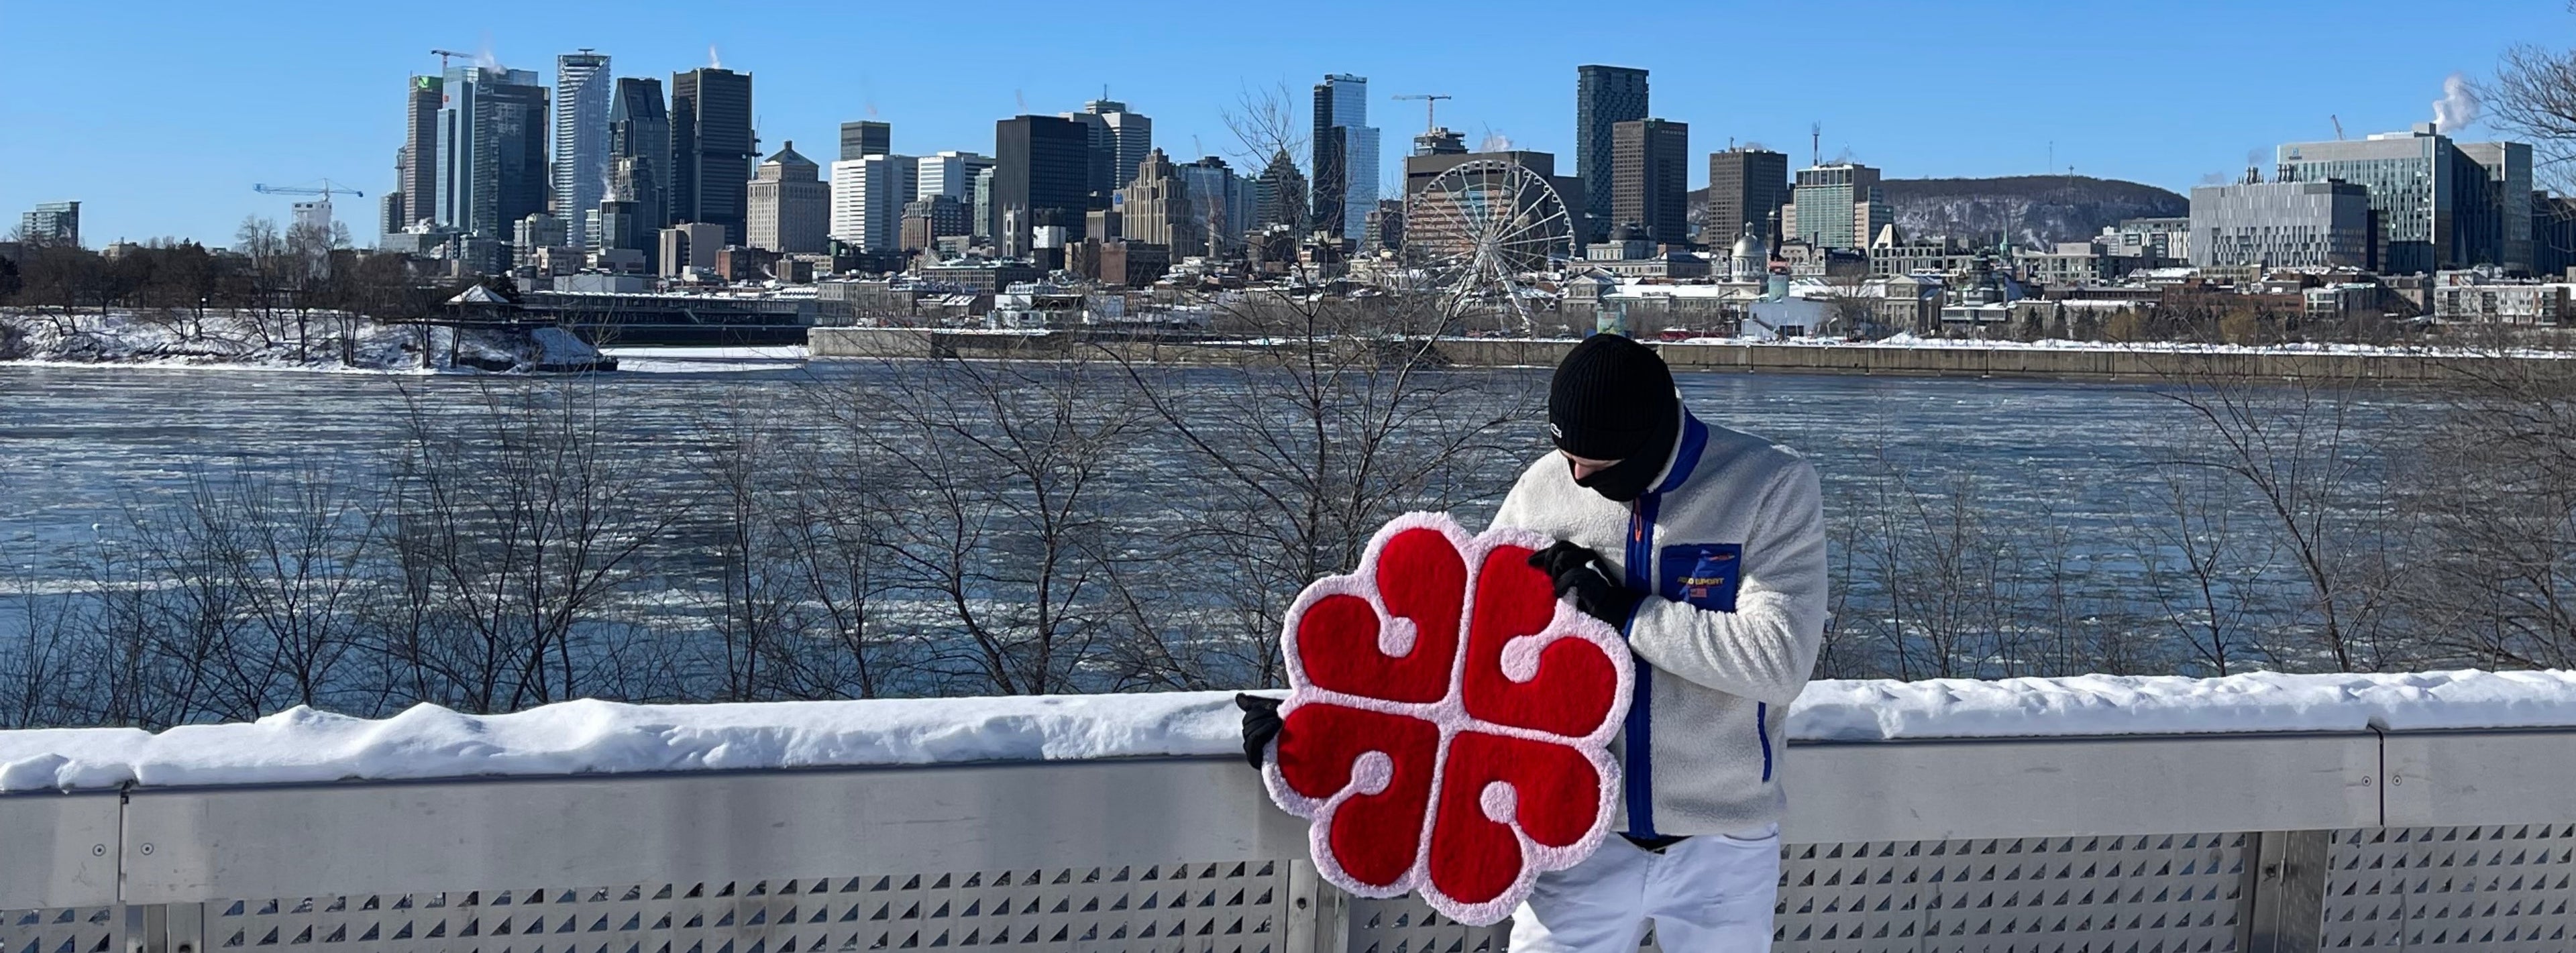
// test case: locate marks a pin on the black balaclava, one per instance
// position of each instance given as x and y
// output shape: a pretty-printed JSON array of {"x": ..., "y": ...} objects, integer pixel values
[{"x": 1613, "y": 399}]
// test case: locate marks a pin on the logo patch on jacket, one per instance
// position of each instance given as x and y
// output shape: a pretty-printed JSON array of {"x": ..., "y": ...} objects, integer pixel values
[{"x": 1706, "y": 575}]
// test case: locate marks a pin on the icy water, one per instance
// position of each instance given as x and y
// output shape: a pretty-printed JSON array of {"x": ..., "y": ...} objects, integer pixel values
[
  {"x": 2042, "y": 506},
  {"x": 79, "y": 445}
]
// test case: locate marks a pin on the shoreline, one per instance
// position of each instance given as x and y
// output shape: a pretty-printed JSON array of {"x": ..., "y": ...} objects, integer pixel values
[{"x": 2013, "y": 360}]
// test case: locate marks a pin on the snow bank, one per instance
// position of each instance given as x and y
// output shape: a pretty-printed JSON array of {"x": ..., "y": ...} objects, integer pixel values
[
  {"x": 304, "y": 745},
  {"x": 242, "y": 340},
  {"x": 1912, "y": 341},
  {"x": 2130, "y": 705}
]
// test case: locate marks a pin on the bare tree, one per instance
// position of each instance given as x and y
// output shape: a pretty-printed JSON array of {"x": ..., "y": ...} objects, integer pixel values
[
  {"x": 519, "y": 527},
  {"x": 2301, "y": 449}
]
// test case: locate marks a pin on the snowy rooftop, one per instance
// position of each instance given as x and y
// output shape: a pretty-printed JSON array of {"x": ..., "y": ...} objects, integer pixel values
[{"x": 304, "y": 745}]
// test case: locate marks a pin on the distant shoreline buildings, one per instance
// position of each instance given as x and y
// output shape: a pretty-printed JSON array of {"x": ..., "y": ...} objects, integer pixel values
[{"x": 607, "y": 180}]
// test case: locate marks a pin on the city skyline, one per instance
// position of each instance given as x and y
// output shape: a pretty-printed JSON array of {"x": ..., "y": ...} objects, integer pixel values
[{"x": 2067, "y": 99}]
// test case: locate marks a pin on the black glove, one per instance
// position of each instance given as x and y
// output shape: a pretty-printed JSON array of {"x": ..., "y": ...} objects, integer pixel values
[
  {"x": 1260, "y": 724},
  {"x": 1576, "y": 573}
]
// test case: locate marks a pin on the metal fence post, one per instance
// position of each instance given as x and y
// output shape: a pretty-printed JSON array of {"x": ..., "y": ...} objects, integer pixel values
[
  {"x": 1319, "y": 914},
  {"x": 165, "y": 928},
  {"x": 2281, "y": 907}
]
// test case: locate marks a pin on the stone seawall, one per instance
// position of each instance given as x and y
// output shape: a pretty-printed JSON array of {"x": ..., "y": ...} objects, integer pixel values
[{"x": 2106, "y": 363}]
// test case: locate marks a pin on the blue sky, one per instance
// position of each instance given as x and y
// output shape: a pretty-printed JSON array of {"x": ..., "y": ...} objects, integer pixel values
[{"x": 159, "y": 116}]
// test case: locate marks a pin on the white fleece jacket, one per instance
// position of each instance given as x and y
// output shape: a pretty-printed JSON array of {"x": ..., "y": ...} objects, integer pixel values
[{"x": 1730, "y": 545}]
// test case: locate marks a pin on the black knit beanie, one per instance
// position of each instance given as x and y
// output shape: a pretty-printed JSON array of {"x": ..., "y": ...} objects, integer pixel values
[{"x": 1612, "y": 399}]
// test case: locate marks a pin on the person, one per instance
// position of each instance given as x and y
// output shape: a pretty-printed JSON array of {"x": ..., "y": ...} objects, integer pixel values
[{"x": 1705, "y": 547}]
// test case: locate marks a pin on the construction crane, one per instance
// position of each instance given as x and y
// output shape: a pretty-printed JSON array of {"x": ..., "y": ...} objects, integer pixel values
[
  {"x": 2338, "y": 121},
  {"x": 327, "y": 189},
  {"x": 444, "y": 54},
  {"x": 1430, "y": 102}
]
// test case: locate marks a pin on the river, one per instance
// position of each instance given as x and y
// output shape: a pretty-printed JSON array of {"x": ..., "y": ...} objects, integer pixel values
[{"x": 2063, "y": 478}]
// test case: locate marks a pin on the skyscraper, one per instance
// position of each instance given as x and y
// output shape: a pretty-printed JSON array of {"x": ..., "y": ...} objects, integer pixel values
[
  {"x": 711, "y": 148},
  {"x": 1839, "y": 206},
  {"x": 865, "y": 138},
  {"x": 1117, "y": 141},
  {"x": 1222, "y": 199},
  {"x": 1131, "y": 137},
  {"x": 418, "y": 179},
  {"x": 868, "y": 195},
  {"x": 582, "y": 87},
  {"x": 491, "y": 150},
  {"x": 1345, "y": 156},
  {"x": 1041, "y": 168},
  {"x": 1604, "y": 96},
  {"x": 1650, "y": 164},
  {"x": 1155, "y": 208},
  {"x": 639, "y": 150},
  {"x": 950, "y": 173},
  {"x": 790, "y": 208},
  {"x": 1279, "y": 195},
  {"x": 1745, "y": 186}
]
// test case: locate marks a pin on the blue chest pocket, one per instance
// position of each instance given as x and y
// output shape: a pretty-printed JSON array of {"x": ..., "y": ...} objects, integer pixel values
[{"x": 1702, "y": 574}]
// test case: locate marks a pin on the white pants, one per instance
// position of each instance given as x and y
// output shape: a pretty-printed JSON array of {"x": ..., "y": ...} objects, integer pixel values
[{"x": 1709, "y": 894}]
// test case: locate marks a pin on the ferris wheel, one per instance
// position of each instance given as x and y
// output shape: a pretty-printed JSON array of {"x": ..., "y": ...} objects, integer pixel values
[{"x": 1480, "y": 230}]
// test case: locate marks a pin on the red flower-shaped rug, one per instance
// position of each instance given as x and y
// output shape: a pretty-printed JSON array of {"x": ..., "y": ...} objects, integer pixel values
[{"x": 1449, "y": 725}]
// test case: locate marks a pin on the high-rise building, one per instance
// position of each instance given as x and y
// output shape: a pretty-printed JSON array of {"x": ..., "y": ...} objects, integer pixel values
[
  {"x": 639, "y": 151},
  {"x": 712, "y": 148},
  {"x": 1041, "y": 174},
  {"x": 491, "y": 150},
  {"x": 866, "y": 137},
  {"x": 929, "y": 219},
  {"x": 980, "y": 216},
  {"x": 950, "y": 173},
  {"x": 1345, "y": 156},
  {"x": 1839, "y": 206},
  {"x": 1650, "y": 162},
  {"x": 1222, "y": 199},
  {"x": 418, "y": 177},
  {"x": 1746, "y": 186},
  {"x": 1604, "y": 96},
  {"x": 1279, "y": 195},
  {"x": 2438, "y": 204},
  {"x": 790, "y": 208},
  {"x": 1117, "y": 140},
  {"x": 390, "y": 211},
  {"x": 1131, "y": 136},
  {"x": 868, "y": 195},
  {"x": 52, "y": 223},
  {"x": 582, "y": 93},
  {"x": 1155, "y": 208},
  {"x": 2281, "y": 224}
]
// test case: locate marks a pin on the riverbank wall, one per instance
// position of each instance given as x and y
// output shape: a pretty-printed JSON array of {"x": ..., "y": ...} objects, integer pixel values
[{"x": 2106, "y": 363}]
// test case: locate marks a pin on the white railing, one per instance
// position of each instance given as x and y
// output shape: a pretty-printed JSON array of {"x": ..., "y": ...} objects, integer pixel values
[{"x": 2432, "y": 839}]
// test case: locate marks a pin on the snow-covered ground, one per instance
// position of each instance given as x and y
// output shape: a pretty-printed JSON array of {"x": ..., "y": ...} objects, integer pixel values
[
  {"x": 229, "y": 340},
  {"x": 304, "y": 745},
  {"x": 1910, "y": 340},
  {"x": 707, "y": 360}
]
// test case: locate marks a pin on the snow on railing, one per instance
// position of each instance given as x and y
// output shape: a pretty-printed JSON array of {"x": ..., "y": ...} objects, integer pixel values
[{"x": 303, "y": 745}]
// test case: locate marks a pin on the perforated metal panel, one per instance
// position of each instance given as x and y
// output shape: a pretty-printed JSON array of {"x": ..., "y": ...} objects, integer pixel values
[
  {"x": 2172, "y": 893},
  {"x": 1182, "y": 908},
  {"x": 62, "y": 930},
  {"x": 1407, "y": 925},
  {"x": 2502, "y": 888}
]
